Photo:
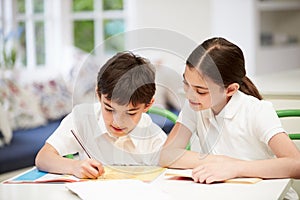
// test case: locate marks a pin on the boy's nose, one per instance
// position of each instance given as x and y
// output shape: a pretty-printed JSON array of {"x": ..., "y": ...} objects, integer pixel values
[{"x": 119, "y": 120}]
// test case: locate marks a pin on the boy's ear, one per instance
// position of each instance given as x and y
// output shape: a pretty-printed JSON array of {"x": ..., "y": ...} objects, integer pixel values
[
  {"x": 96, "y": 91},
  {"x": 231, "y": 89},
  {"x": 148, "y": 105}
]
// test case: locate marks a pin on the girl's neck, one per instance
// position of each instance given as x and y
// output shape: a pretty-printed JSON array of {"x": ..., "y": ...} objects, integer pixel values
[{"x": 218, "y": 108}]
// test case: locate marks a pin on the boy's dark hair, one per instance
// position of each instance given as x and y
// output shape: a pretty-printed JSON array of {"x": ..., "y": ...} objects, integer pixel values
[{"x": 127, "y": 78}]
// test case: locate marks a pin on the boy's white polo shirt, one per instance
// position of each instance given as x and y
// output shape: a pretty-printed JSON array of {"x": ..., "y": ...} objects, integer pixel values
[
  {"x": 87, "y": 121},
  {"x": 241, "y": 130}
]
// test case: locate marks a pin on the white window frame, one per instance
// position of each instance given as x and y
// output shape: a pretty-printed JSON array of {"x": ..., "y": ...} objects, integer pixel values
[{"x": 58, "y": 23}]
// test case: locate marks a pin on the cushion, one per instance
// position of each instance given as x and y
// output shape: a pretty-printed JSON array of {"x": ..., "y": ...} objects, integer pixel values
[
  {"x": 5, "y": 130},
  {"x": 55, "y": 99},
  {"x": 22, "y": 107},
  {"x": 80, "y": 73}
]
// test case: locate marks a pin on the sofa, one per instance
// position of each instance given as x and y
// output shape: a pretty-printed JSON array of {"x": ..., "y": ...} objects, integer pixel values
[
  {"x": 29, "y": 113},
  {"x": 23, "y": 147}
]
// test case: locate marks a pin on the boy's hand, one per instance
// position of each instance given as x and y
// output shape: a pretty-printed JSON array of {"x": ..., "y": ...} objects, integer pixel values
[{"x": 88, "y": 169}]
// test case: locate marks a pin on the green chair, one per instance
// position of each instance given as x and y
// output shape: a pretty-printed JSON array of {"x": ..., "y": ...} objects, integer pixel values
[
  {"x": 164, "y": 113},
  {"x": 290, "y": 113},
  {"x": 167, "y": 114}
]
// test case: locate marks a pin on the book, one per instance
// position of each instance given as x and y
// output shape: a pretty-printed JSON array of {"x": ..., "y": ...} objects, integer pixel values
[
  {"x": 36, "y": 176},
  {"x": 179, "y": 174},
  {"x": 143, "y": 173}
]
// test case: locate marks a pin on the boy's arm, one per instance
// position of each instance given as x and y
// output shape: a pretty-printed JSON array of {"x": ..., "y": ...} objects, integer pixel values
[{"x": 49, "y": 160}]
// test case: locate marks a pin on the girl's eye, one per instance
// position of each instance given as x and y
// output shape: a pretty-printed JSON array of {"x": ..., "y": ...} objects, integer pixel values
[
  {"x": 202, "y": 93},
  {"x": 108, "y": 110}
]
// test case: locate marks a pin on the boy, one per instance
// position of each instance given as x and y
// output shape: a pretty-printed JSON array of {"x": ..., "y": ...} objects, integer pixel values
[{"x": 115, "y": 131}]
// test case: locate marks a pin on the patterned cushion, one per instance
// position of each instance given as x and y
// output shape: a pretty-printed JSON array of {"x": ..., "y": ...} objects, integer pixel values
[
  {"x": 23, "y": 107},
  {"x": 5, "y": 130},
  {"x": 80, "y": 73},
  {"x": 54, "y": 96}
]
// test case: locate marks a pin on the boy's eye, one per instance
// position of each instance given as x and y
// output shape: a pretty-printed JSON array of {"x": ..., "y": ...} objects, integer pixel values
[{"x": 131, "y": 114}]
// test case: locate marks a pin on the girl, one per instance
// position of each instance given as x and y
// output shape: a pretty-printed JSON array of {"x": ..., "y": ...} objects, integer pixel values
[{"x": 240, "y": 134}]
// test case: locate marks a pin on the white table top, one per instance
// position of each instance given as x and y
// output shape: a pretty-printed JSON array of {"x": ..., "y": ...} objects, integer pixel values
[{"x": 176, "y": 189}]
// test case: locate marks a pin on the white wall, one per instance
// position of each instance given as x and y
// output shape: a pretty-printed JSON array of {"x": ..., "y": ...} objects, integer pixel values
[{"x": 190, "y": 17}]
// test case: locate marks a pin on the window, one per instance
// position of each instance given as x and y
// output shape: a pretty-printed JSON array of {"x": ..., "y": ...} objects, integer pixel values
[
  {"x": 97, "y": 21},
  {"x": 44, "y": 27}
]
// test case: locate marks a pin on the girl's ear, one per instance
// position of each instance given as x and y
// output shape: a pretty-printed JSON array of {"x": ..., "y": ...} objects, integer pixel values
[
  {"x": 147, "y": 106},
  {"x": 231, "y": 89}
]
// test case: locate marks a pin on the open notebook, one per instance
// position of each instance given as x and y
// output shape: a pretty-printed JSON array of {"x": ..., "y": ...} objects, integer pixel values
[
  {"x": 142, "y": 173},
  {"x": 178, "y": 174}
]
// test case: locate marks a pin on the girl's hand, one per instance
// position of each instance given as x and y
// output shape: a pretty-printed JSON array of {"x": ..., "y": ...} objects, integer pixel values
[
  {"x": 219, "y": 169},
  {"x": 88, "y": 169}
]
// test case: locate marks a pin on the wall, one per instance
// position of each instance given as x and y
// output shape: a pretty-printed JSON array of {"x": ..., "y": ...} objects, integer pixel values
[{"x": 190, "y": 17}]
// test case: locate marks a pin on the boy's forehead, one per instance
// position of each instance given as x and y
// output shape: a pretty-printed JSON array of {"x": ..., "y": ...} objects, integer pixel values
[{"x": 116, "y": 105}]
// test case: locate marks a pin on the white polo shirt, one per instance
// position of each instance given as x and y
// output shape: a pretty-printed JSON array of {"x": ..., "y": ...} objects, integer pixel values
[
  {"x": 241, "y": 130},
  {"x": 86, "y": 120}
]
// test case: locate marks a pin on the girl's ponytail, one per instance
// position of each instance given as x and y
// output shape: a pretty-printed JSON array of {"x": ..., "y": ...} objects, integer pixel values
[{"x": 249, "y": 88}]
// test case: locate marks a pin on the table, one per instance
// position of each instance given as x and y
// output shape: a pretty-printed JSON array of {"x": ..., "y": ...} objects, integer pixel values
[{"x": 176, "y": 189}]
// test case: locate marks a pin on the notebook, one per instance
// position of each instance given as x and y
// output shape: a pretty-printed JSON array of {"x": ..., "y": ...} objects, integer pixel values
[
  {"x": 142, "y": 173},
  {"x": 179, "y": 174}
]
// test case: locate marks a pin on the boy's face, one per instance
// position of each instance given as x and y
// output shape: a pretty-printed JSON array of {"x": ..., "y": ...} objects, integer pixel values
[{"x": 121, "y": 119}]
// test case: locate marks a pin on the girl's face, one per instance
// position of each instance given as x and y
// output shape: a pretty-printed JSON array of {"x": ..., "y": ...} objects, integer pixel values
[
  {"x": 202, "y": 93},
  {"x": 121, "y": 119}
]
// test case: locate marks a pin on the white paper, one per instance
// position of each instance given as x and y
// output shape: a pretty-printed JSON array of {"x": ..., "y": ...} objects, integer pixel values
[{"x": 117, "y": 189}]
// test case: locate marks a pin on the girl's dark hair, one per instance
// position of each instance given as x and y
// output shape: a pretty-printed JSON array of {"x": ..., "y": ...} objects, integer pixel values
[
  {"x": 224, "y": 63},
  {"x": 127, "y": 78}
]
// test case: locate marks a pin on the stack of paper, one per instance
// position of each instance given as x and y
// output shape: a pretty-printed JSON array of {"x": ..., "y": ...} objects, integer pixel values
[{"x": 117, "y": 189}]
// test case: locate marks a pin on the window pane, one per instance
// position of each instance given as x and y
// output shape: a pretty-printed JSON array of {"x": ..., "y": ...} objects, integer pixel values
[
  {"x": 112, "y": 4},
  {"x": 21, "y": 6},
  {"x": 38, "y": 6},
  {"x": 83, "y": 5},
  {"x": 112, "y": 27},
  {"x": 40, "y": 43},
  {"x": 84, "y": 35},
  {"x": 22, "y": 54}
]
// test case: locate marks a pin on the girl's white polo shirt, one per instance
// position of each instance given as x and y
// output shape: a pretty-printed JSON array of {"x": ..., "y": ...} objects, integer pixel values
[
  {"x": 87, "y": 121},
  {"x": 241, "y": 130}
]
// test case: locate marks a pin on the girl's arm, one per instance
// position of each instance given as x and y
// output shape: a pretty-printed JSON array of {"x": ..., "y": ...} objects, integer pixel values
[
  {"x": 49, "y": 160},
  {"x": 286, "y": 165},
  {"x": 174, "y": 154}
]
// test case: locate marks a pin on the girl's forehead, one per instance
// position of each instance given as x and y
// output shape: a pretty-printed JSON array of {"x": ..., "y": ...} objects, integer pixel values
[{"x": 194, "y": 77}]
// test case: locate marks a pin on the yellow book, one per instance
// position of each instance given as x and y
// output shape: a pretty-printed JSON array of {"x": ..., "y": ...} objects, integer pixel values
[{"x": 143, "y": 173}]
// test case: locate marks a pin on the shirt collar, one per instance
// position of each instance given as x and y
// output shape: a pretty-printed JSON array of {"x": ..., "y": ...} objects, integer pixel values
[
  {"x": 230, "y": 109},
  {"x": 233, "y": 105}
]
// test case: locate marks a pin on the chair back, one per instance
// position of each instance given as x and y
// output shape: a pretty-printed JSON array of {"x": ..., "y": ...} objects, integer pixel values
[{"x": 290, "y": 113}]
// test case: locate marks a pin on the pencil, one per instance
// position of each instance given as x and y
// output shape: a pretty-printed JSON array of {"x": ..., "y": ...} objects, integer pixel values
[{"x": 81, "y": 144}]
